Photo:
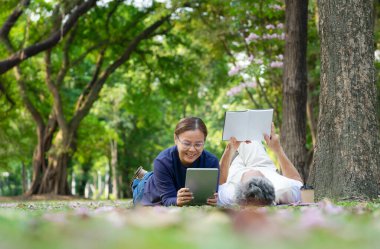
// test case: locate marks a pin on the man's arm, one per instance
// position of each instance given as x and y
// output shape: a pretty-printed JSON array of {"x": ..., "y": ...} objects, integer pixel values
[
  {"x": 287, "y": 167},
  {"x": 227, "y": 156}
]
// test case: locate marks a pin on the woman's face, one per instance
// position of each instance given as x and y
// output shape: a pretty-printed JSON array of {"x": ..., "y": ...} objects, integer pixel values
[{"x": 190, "y": 145}]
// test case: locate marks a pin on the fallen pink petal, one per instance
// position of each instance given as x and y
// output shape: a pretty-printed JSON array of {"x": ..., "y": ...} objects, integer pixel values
[{"x": 201, "y": 124}]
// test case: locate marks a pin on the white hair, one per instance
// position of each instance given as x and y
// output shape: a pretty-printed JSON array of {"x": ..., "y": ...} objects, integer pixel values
[{"x": 257, "y": 190}]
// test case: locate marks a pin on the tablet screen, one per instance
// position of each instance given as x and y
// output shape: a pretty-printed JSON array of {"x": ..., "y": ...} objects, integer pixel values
[{"x": 203, "y": 183}]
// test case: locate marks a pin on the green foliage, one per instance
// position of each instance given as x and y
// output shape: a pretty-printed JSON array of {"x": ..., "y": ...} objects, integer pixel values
[
  {"x": 16, "y": 149},
  {"x": 181, "y": 70}
]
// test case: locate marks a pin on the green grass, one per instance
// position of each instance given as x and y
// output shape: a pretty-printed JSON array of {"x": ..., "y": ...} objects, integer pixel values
[{"x": 107, "y": 224}]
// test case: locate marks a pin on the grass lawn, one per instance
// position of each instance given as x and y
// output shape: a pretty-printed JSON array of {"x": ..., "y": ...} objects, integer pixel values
[{"x": 116, "y": 224}]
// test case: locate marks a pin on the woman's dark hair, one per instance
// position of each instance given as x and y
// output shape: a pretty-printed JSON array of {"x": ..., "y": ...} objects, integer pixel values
[{"x": 190, "y": 124}]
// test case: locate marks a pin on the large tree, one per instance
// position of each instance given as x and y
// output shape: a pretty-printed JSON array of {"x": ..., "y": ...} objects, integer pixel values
[
  {"x": 65, "y": 16},
  {"x": 57, "y": 131},
  {"x": 347, "y": 156},
  {"x": 163, "y": 76},
  {"x": 293, "y": 129}
]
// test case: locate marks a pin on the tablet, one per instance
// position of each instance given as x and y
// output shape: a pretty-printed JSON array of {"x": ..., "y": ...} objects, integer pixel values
[{"x": 203, "y": 183}]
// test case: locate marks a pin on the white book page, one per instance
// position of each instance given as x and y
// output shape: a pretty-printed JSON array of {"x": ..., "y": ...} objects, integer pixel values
[
  {"x": 235, "y": 125},
  {"x": 259, "y": 123}
]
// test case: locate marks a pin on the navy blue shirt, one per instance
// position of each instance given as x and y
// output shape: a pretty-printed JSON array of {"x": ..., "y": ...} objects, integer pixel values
[{"x": 169, "y": 176}]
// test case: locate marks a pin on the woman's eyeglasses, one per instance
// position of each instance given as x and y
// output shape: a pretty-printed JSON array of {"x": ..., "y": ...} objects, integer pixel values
[{"x": 187, "y": 145}]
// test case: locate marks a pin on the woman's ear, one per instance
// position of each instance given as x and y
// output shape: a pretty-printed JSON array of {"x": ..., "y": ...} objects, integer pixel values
[{"x": 175, "y": 138}]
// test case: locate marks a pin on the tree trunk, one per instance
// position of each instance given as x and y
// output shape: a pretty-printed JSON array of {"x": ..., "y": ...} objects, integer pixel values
[
  {"x": 114, "y": 168},
  {"x": 73, "y": 184},
  {"x": 55, "y": 177},
  {"x": 347, "y": 155},
  {"x": 84, "y": 180},
  {"x": 312, "y": 122},
  {"x": 293, "y": 129},
  {"x": 39, "y": 161},
  {"x": 24, "y": 177},
  {"x": 45, "y": 136},
  {"x": 50, "y": 172}
]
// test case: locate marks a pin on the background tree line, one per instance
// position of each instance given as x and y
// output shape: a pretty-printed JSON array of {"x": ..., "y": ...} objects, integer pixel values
[{"x": 94, "y": 88}]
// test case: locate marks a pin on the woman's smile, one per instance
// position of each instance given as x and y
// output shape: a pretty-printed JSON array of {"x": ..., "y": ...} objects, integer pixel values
[{"x": 190, "y": 146}]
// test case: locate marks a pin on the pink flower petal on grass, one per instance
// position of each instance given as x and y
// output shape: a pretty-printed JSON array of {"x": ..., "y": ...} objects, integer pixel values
[
  {"x": 82, "y": 212},
  {"x": 55, "y": 217},
  {"x": 329, "y": 208},
  {"x": 312, "y": 218},
  {"x": 105, "y": 209}
]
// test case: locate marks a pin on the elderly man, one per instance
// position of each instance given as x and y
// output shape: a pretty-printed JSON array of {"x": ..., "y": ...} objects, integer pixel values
[{"x": 251, "y": 178}]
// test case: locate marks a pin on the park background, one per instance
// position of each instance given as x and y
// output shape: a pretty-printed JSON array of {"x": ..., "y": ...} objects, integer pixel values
[{"x": 90, "y": 90}]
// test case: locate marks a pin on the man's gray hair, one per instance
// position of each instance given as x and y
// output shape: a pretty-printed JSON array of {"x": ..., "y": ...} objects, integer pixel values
[{"x": 256, "y": 191}]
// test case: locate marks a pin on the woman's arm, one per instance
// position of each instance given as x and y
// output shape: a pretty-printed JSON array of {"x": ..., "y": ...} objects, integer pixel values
[{"x": 164, "y": 183}]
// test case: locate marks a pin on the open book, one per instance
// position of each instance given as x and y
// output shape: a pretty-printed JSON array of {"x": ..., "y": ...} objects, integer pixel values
[{"x": 247, "y": 125}]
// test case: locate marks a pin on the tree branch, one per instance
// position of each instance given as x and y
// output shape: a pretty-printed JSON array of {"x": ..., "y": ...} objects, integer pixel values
[
  {"x": 110, "y": 14},
  {"x": 95, "y": 77},
  {"x": 85, "y": 53},
  {"x": 56, "y": 96},
  {"x": 12, "y": 18},
  {"x": 251, "y": 98},
  {"x": 66, "y": 58},
  {"x": 100, "y": 60},
  {"x": 227, "y": 49},
  {"x": 36, "y": 115},
  {"x": 49, "y": 42},
  {"x": 84, "y": 106},
  {"x": 7, "y": 96},
  {"x": 264, "y": 94},
  {"x": 4, "y": 32}
]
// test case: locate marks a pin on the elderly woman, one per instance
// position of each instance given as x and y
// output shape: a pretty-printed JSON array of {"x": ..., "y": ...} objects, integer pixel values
[
  {"x": 165, "y": 185},
  {"x": 252, "y": 179}
]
